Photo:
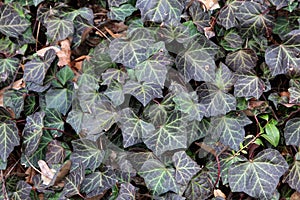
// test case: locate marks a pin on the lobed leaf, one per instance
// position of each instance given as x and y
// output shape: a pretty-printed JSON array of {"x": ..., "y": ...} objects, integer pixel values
[{"x": 9, "y": 138}]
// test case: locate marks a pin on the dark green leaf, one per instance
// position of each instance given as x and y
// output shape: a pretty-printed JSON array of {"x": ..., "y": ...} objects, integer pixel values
[
  {"x": 33, "y": 132},
  {"x": 200, "y": 187},
  {"x": 200, "y": 18},
  {"x": 133, "y": 128},
  {"x": 226, "y": 17},
  {"x": 9, "y": 138},
  {"x": 160, "y": 11},
  {"x": 169, "y": 136},
  {"x": 144, "y": 92},
  {"x": 59, "y": 29},
  {"x": 292, "y": 132},
  {"x": 293, "y": 177},
  {"x": 14, "y": 99},
  {"x": 54, "y": 120},
  {"x": 87, "y": 152},
  {"x": 55, "y": 152},
  {"x": 8, "y": 68},
  {"x": 12, "y": 23},
  {"x": 74, "y": 119},
  {"x": 73, "y": 181},
  {"x": 232, "y": 41},
  {"x": 131, "y": 50},
  {"x": 64, "y": 75},
  {"x": 116, "y": 3},
  {"x": 158, "y": 178},
  {"x": 127, "y": 192},
  {"x": 22, "y": 191},
  {"x": 113, "y": 74},
  {"x": 115, "y": 93},
  {"x": 242, "y": 60},
  {"x": 120, "y": 13},
  {"x": 260, "y": 176},
  {"x": 294, "y": 95},
  {"x": 185, "y": 167},
  {"x": 279, "y": 3}
]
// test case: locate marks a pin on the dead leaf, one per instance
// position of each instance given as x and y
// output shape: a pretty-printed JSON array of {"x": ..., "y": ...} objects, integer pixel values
[
  {"x": 209, "y": 33},
  {"x": 42, "y": 51},
  {"x": 63, "y": 172},
  {"x": 219, "y": 193},
  {"x": 295, "y": 196},
  {"x": 64, "y": 55},
  {"x": 210, "y": 4},
  {"x": 30, "y": 172},
  {"x": 47, "y": 173},
  {"x": 17, "y": 85}
]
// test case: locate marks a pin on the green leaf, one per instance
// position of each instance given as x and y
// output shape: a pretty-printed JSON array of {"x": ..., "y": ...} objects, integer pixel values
[
  {"x": 226, "y": 17},
  {"x": 133, "y": 128},
  {"x": 242, "y": 60},
  {"x": 9, "y": 138},
  {"x": 115, "y": 93},
  {"x": 59, "y": 29},
  {"x": 293, "y": 177},
  {"x": 33, "y": 132},
  {"x": 85, "y": 13},
  {"x": 232, "y": 41},
  {"x": 97, "y": 182},
  {"x": 260, "y": 176},
  {"x": 185, "y": 167},
  {"x": 12, "y": 23},
  {"x": 279, "y": 3},
  {"x": 200, "y": 18},
  {"x": 157, "y": 177},
  {"x": 144, "y": 92},
  {"x": 187, "y": 103},
  {"x": 197, "y": 62},
  {"x": 283, "y": 58},
  {"x": 200, "y": 187},
  {"x": 60, "y": 99},
  {"x": 36, "y": 69},
  {"x": 272, "y": 133},
  {"x": 169, "y": 136},
  {"x": 292, "y": 132},
  {"x": 116, "y": 3},
  {"x": 73, "y": 181},
  {"x": 253, "y": 18},
  {"x": 9, "y": 66},
  {"x": 14, "y": 99},
  {"x": 65, "y": 74},
  {"x": 55, "y": 152},
  {"x": 154, "y": 69},
  {"x": 127, "y": 192},
  {"x": 160, "y": 11},
  {"x": 132, "y": 49},
  {"x": 230, "y": 129},
  {"x": 74, "y": 119},
  {"x": 197, "y": 130},
  {"x": 114, "y": 74},
  {"x": 87, "y": 152},
  {"x": 294, "y": 95},
  {"x": 22, "y": 192},
  {"x": 54, "y": 120},
  {"x": 120, "y": 13},
  {"x": 249, "y": 85}
]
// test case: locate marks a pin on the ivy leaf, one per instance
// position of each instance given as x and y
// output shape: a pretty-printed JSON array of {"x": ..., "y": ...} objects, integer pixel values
[
  {"x": 113, "y": 74},
  {"x": 154, "y": 69},
  {"x": 249, "y": 85},
  {"x": 185, "y": 167},
  {"x": 127, "y": 192},
  {"x": 87, "y": 152},
  {"x": 230, "y": 129},
  {"x": 55, "y": 152},
  {"x": 120, "y": 13},
  {"x": 115, "y": 93},
  {"x": 169, "y": 136},
  {"x": 293, "y": 176},
  {"x": 160, "y": 11},
  {"x": 232, "y": 41},
  {"x": 242, "y": 60},
  {"x": 97, "y": 182},
  {"x": 74, "y": 119},
  {"x": 116, "y": 3},
  {"x": 9, "y": 138},
  {"x": 226, "y": 17},
  {"x": 33, "y": 132},
  {"x": 260, "y": 176},
  {"x": 292, "y": 132},
  {"x": 9, "y": 66},
  {"x": 12, "y": 23},
  {"x": 132, "y": 49},
  {"x": 133, "y": 128},
  {"x": 200, "y": 18},
  {"x": 59, "y": 29},
  {"x": 157, "y": 177},
  {"x": 253, "y": 18},
  {"x": 282, "y": 58},
  {"x": 35, "y": 70},
  {"x": 187, "y": 103},
  {"x": 197, "y": 62},
  {"x": 54, "y": 120},
  {"x": 197, "y": 130},
  {"x": 60, "y": 99},
  {"x": 144, "y": 92},
  {"x": 199, "y": 187},
  {"x": 22, "y": 192},
  {"x": 294, "y": 95},
  {"x": 279, "y": 3},
  {"x": 65, "y": 74},
  {"x": 14, "y": 99},
  {"x": 73, "y": 181}
]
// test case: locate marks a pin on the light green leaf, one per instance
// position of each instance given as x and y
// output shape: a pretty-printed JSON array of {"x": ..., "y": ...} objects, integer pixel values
[
  {"x": 292, "y": 132},
  {"x": 132, "y": 49},
  {"x": 33, "y": 132},
  {"x": 260, "y": 176},
  {"x": 144, "y": 92},
  {"x": 133, "y": 128},
  {"x": 59, "y": 29},
  {"x": 12, "y": 23},
  {"x": 272, "y": 133},
  {"x": 87, "y": 152},
  {"x": 169, "y": 136},
  {"x": 9, "y": 138},
  {"x": 120, "y": 13},
  {"x": 185, "y": 167},
  {"x": 157, "y": 177},
  {"x": 160, "y": 10}
]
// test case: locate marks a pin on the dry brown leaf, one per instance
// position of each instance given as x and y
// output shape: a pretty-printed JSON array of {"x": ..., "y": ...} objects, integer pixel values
[
  {"x": 42, "y": 51},
  {"x": 210, "y": 4},
  {"x": 30, "y": 172},
  {"x": 295, "y": 196},
  {"x": 47, "y": 173},
  {"x": 64, "y": 55},
  {"x": 219, "y": 193},
  {"x": 19, "y": 84}
]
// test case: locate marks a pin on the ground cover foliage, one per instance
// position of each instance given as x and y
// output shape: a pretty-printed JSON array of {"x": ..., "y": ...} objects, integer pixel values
[{"x": 160, "y": 99}]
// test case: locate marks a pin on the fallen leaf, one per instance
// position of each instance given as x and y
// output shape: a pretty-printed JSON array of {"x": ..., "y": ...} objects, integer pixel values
[
  {"x": 210, "y": 4},
  {"x": 42, "y": 51},
  {"x": 47, "y": 173},
  {"x": 219, "y": 193},
  {"x": 17, "y": 85},
  {"x": 295, "y": 196},
  {"x": 64, "y": 55}
]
